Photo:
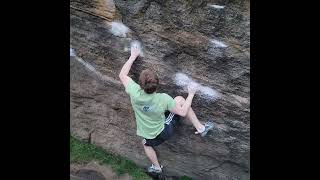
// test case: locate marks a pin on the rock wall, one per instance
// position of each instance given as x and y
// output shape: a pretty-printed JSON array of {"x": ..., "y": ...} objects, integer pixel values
[{"x": 178, "y": 36}]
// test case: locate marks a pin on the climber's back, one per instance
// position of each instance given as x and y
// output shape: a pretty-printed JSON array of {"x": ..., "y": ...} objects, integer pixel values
[{"x": 148, "y": 105}]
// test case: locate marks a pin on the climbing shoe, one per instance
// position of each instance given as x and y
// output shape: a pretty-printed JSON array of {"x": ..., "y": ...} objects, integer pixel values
[
  {"x": 153, "y": 169},
  {"x": 208, "y": 126}
]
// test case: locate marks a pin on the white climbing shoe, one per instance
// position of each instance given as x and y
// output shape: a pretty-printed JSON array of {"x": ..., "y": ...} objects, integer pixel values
[
  {"x": 207, "y": 127},
  {"x": 153, "y": 169}
]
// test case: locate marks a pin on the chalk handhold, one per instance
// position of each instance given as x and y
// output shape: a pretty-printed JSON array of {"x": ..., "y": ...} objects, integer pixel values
[
  {"x": 119, "y": 29},
  {"x": 206, "y": 92},
  {"x": 218, "y": 43},
  {"x": 216, "y": 6}
]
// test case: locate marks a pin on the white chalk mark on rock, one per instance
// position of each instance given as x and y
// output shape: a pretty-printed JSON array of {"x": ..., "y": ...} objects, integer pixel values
[
  {"x": 119, "y": 29},
  {"x": 208, "y": 92},
  {"x": 72, "y": 53},
  {"x": 241, "y": 99},
  {"x": 218, "y": 43},
  {"x": 183, "y": 81},
  {"x": 216, "y": 6}
]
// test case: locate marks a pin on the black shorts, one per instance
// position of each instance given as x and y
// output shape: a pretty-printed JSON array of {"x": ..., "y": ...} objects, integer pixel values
[{"x": 169, "y": 125}]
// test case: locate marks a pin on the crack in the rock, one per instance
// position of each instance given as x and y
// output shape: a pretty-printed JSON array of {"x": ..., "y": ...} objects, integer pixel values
[
  {"x": 81, "y": 97},
  {"x": 90, "y": 137},
  {"x": 90, "y": 13}
]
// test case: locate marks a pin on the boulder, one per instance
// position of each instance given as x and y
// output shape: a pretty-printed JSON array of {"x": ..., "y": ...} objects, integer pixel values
[{"x": 208, "y": 43}]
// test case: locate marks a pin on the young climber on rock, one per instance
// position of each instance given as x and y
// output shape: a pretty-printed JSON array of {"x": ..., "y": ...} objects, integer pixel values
[{"x": 156, "y": 113}]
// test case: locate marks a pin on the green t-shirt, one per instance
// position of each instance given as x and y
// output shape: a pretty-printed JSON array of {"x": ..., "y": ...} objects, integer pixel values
[{"x": 148, "y": 109}]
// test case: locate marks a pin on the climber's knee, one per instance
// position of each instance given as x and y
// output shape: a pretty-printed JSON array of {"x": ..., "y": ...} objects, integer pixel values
[
  {"x": 146, "y": 143},
  {"x": 179, "y": 100}
]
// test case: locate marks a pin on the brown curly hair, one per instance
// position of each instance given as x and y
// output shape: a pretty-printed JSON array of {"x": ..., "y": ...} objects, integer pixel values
[{"x": 148, "y": 81}]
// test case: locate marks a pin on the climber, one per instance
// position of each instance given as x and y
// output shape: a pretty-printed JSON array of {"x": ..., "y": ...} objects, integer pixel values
[{"x": 156, "y": 113}]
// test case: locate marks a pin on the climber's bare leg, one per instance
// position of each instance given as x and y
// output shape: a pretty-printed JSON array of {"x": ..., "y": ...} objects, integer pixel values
[
  {"x": 151, "y": 154},
  {"x": 190, "y": 114}
]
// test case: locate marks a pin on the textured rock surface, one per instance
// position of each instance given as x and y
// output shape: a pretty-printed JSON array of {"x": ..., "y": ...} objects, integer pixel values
[
  {"x": 177, "y": 37},
  {"x": 94, "y": 171}
]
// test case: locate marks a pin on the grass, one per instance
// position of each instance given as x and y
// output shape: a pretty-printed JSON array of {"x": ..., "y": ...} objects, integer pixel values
[
  {"x": 185, "y": 178},
  {"x": 81, "y": 152}
]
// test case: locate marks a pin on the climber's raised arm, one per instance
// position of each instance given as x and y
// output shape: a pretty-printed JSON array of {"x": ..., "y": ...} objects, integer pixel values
[
  {"x": 123, "y": 75},
  {"x": 183, "y": 110}
]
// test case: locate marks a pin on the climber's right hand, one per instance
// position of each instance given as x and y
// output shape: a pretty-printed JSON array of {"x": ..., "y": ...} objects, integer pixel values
[{"x": 135, "y": 51}]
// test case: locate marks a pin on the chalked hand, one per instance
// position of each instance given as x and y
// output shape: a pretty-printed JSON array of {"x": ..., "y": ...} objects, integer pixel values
[
  {"x": 135, "y": 51},
  {"x": 193, "y": 87}
]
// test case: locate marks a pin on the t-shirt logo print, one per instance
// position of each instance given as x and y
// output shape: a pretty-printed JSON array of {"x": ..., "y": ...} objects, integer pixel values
[{"x": 146, "y": 108}]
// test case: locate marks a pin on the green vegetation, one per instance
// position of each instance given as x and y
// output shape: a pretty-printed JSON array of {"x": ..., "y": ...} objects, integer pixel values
[
  {"x": 81, "y": 152},
  {"x": 185, "y": 178}
]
